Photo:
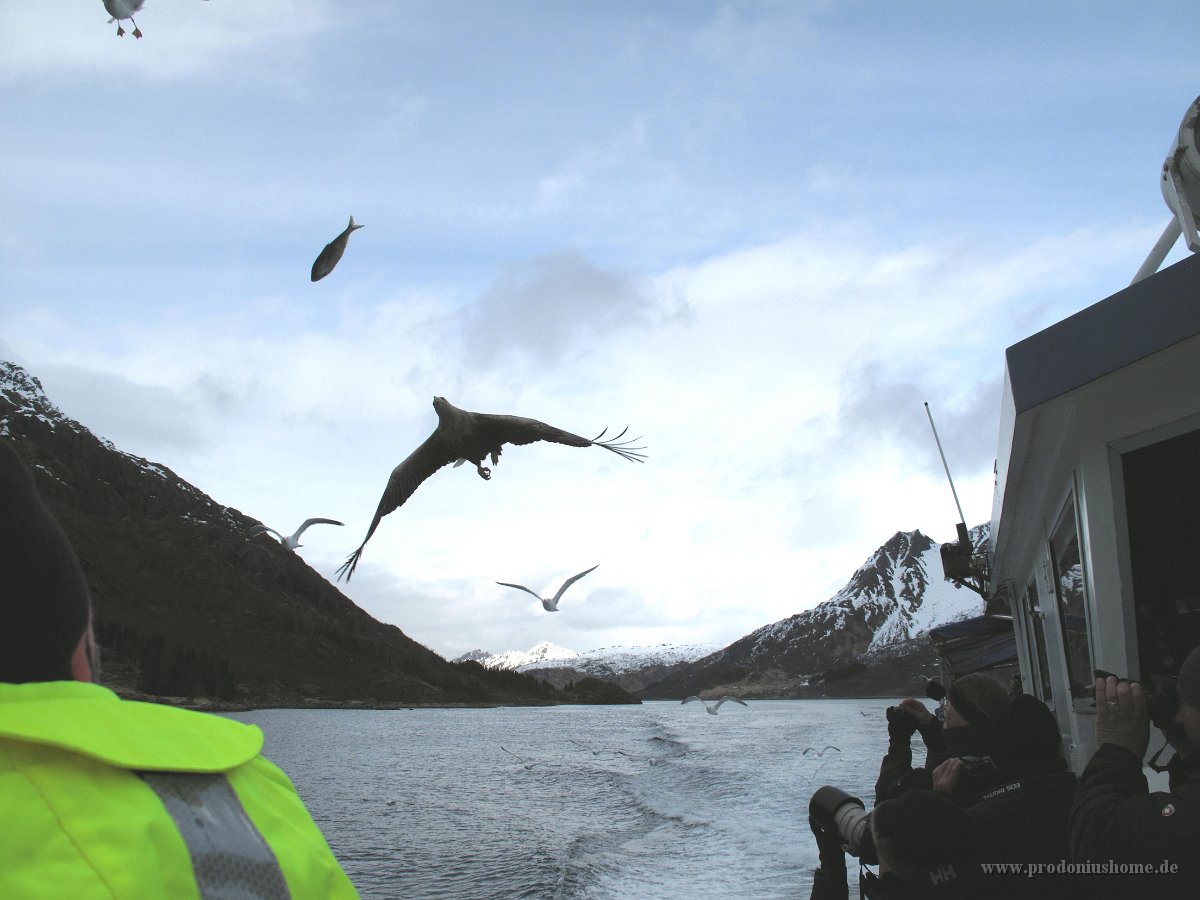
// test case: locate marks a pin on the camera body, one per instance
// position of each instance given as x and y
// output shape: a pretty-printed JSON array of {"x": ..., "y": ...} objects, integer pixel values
[
  {"x": 973, "y": 765},
  {"x": 1162, "y": 697}
]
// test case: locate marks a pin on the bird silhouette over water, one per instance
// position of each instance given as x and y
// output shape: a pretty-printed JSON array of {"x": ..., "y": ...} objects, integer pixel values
[
  {"x": 463, "y": 436},
  {"x": 550, "y": 603},
  {"x": 813, "y": 751},
  {"x": 711, "y": 708},
  {"x": 292, "y": 541},
  {"x": 328, "y": 258}
]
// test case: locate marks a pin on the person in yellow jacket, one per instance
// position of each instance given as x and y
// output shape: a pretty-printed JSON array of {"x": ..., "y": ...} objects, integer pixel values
[{"x": 104, "y": 797}]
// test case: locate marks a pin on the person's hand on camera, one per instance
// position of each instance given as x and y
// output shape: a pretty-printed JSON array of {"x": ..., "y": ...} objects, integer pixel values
[
  {"x": 945, "y": 776},
  {"x": 917, "y": 710},
  {"x": 1122, "y": 716},
  {"x": 829, "y": 846}
]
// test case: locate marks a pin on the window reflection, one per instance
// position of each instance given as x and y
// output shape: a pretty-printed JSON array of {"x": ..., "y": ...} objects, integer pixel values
[{"x": 1068, "y": 584}]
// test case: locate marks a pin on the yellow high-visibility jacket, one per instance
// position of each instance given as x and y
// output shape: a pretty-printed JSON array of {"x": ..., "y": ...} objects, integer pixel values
[{"x": 103, "y": 797}]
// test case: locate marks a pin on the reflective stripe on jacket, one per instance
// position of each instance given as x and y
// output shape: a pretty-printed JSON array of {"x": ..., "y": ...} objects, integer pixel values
[{"x": 96, "y": 801}]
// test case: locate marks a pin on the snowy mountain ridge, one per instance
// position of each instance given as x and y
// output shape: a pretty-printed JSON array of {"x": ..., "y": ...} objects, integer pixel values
[{"x": 600, "y": 662}]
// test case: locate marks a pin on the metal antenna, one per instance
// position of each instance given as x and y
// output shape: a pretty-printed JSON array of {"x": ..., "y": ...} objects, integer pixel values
[{"x": 961, "y": 517}]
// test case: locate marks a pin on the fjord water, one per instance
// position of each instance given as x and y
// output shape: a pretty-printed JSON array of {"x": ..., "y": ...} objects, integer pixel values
[{"x": 425, "y": 803}]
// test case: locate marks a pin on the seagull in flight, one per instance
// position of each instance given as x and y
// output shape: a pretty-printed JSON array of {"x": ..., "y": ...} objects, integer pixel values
[
  {"x": 463, "y": 436},
  {"x": 812, "y": 751},
  {"x": 293, "y": 541},
  {"x": 525, "y": 762},
  {"x": 124, "y": 9},
  {"x": 550, "y": 603},
  {"x": 711, "y": 708}
]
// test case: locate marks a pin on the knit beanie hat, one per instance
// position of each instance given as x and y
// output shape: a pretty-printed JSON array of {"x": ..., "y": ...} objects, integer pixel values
[
  {"x": 978, "y": 698},
  {"x": 1026, "y": 730},
  {"x": 44, "y": 600},
  {"x": 923, "y": 837},
  {"x": 1189, "y": 679}
]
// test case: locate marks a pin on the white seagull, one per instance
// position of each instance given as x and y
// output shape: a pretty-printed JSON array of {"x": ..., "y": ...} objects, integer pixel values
[
  {"x": 528, "y": 764},
  {"x": 293, "y": 541},
  {"x": 712, "y": 708},
  {"x": 550, "y": 603},
  {"x": 124, "y": 9}
]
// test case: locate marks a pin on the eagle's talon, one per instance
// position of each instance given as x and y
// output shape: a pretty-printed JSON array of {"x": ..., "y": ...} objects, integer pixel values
[{"x": 484, "y": 472}]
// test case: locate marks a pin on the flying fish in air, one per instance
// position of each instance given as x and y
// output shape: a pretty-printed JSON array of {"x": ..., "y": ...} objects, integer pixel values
[{"x": 328, "y": 258}]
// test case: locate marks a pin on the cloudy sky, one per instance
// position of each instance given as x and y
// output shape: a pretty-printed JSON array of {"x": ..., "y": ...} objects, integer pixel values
[{"x": 760, "y": 234}]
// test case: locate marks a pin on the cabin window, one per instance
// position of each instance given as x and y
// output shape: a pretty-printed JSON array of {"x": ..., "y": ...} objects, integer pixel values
[
  {"x": 1068, "y": 585},
  {"x": 1037, "y": 630},
  {"x": 1162, "y": 496}
]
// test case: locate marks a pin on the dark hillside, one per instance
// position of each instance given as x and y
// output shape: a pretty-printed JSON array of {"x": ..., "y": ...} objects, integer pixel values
[{"x": 186, "y": 605}]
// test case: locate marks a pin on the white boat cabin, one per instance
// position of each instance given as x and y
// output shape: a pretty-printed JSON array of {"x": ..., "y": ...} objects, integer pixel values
[{"x": 1095, "y": 536}]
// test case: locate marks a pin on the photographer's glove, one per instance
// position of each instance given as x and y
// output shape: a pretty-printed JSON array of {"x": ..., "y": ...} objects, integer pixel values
[
  {"x": 829, "y": 848},
  {"x": 901, "y": 724}
]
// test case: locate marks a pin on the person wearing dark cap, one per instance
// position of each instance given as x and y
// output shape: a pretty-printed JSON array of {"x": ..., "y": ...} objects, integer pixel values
[
  {"x": 925, "y": 844},
  {"x": 1019, "y": 807},
  {"x": 970, "y": 704},
  {"x": 1116, "y": 820},
  {"x": 103, "y": 797}
]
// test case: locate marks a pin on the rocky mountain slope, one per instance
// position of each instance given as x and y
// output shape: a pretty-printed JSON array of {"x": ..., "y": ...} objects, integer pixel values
[
  {"x": 879, "y": 621},
  {"x": 187, "y": 605}
]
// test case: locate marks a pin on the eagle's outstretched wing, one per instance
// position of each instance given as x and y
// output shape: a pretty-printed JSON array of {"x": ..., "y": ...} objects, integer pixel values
[
  {"x": 402, "y": 484},
  {"x": 518, "y": 430}
]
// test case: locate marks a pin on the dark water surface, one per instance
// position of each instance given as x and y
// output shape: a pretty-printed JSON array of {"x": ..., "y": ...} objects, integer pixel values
[{"x": 424, "y": 803}]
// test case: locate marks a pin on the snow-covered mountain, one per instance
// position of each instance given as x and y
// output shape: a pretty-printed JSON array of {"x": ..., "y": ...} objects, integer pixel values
[
  {"x": 893, "y": 600},
  {"x": 630, "y": 667},
  {"x": 590, "y": 662},
  {"x": 896, "y": 596}
]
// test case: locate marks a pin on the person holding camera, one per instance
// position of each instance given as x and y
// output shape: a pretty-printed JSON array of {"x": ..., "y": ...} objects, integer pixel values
[
  {"x": 922, "y": 843},
  {"x": 1116, "y": 821},
  {"x": 1019, "y": 805},
  {"x": 970, "y": 704}
]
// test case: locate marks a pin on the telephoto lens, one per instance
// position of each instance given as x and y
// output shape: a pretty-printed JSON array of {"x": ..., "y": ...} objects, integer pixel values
[{"x": 844, "y": 815}]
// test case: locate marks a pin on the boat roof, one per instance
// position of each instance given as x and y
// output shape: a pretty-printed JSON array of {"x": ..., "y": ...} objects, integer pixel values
[
  {"x": 1045, "y": 372},
  {"x": 1106, "y": 336}
]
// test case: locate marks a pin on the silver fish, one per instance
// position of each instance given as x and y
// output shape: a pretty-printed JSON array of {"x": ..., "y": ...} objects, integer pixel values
[{"x": 332, "y": 253}]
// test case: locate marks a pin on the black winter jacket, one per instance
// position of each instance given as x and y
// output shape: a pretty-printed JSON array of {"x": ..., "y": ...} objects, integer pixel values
[
  {"x": 1116, "y": 822},
  {"x": 896, "y": 773},
  {"x": 1019, "y": 817}
]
